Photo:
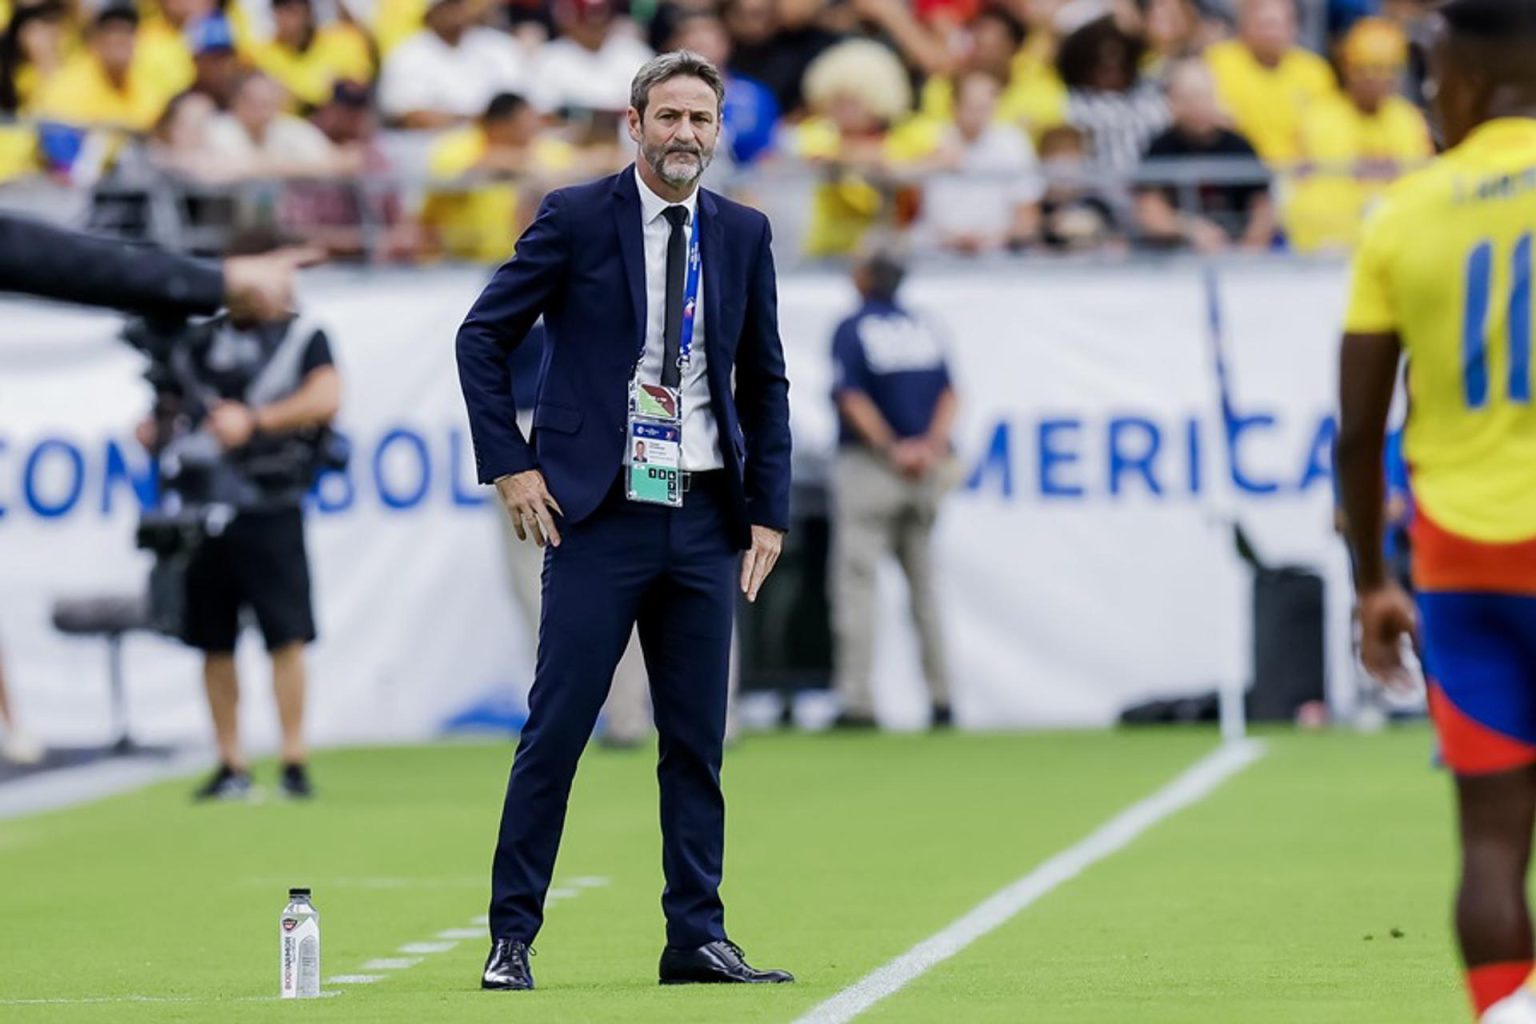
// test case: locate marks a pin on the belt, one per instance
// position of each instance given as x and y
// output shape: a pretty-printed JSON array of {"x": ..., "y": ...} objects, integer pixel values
[{"x": 701, "y": 479}]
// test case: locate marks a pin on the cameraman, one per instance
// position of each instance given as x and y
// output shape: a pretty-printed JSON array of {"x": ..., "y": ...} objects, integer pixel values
[
  {"x": 268, "y": 387},
  {"x": 54, "y": 263}
]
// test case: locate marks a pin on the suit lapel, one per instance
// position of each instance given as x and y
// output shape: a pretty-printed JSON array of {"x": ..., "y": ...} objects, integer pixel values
[
  {"x": 626, "y": 214},
  {"x": 712, "y": 255}
]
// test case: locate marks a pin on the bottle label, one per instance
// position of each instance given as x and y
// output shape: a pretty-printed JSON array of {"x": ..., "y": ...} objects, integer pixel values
[{"x": 299, "y": 957}]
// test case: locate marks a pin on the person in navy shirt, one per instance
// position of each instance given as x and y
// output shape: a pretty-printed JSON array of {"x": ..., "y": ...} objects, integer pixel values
[{"x": 896, "y": 405}]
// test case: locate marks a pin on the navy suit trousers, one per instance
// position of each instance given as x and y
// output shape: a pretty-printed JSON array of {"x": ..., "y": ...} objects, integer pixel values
[{"x": 672, "y": 571}]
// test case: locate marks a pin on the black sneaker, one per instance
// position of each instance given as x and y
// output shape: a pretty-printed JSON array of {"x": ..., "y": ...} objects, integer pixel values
[
  {"x": 225, "y": 784},
  {"x": 943, "y": 717},
  {"x": 295, "y": 782}
]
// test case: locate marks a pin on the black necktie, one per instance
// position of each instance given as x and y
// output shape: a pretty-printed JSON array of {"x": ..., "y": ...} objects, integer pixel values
[{"x": 677, "y": 268}]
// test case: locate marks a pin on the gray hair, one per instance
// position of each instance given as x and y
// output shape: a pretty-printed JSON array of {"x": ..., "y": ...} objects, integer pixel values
[{"x": 677, "y": 64}]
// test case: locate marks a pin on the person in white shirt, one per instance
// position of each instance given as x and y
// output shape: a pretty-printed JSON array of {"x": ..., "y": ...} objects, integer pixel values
[
  {"x": 263, "y": 142},
  {"x": 445, "y": 74},
  {"x": 590, "y": 65},
  {"x": 986, "y": 195}
]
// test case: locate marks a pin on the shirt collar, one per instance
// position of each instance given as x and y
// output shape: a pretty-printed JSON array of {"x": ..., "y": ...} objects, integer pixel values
[{"x": 652, "y": 205}]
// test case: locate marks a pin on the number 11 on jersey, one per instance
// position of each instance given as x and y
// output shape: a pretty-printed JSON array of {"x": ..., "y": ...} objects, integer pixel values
[{"x": 1474, "y": 337}]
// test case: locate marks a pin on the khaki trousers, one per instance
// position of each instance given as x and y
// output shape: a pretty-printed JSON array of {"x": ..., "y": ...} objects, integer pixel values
[{"x": 877, "y": 512}]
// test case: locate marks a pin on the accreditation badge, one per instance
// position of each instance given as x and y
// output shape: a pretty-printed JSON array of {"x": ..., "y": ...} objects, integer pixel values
[{"x": 654, "y": 445}]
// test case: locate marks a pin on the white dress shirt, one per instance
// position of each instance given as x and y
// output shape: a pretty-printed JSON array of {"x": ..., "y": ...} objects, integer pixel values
[{"x": 701, "y": 435}]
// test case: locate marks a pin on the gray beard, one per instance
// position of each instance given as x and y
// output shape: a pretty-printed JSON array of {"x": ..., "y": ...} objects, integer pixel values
[{"x": 658, "y": 164}]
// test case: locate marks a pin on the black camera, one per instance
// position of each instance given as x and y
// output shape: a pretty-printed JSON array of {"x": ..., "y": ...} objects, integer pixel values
[{"x": 202, "y": 487}]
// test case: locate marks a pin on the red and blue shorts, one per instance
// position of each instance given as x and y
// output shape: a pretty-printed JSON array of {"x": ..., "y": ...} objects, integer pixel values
[{"x": 1477, "y": 630}]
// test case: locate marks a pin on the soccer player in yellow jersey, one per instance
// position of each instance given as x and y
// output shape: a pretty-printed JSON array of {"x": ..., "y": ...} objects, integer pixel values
[{"x": 1443, "y": 277}]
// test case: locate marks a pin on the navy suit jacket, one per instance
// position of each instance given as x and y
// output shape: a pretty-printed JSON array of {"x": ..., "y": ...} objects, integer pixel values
[{"x": 581, "y": 265}]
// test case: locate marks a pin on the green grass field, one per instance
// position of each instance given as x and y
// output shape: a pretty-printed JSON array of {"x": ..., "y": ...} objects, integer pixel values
[{"x": 1311, "y": 888}]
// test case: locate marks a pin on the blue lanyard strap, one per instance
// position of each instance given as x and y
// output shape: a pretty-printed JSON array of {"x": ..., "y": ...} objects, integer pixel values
[
  {"x": 690, "y": 294},
  {"x": 690, "y": 301}
]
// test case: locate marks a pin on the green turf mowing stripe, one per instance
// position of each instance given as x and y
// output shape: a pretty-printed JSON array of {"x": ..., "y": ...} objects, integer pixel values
[
  {"x": 1315, "y": 889},
  {"x": 843, "y": 852},
  {"x": 1192, "y": 786}
]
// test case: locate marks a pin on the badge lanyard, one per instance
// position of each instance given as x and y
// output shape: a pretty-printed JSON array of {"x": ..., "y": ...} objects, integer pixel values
[
  {"x": 654, "y": 440},
  {"x": 690, "y": 306}
]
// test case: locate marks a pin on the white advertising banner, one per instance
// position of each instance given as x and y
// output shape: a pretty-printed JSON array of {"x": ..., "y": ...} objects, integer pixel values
[{"x": 1087, "y": 562}]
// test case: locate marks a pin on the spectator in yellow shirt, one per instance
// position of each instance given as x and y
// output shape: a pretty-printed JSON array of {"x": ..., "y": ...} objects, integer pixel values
[
  {"x": 36, "y": 44},
  {"x": 1268, "y": 83},
  {"x": 1356, "y": 144},
  {"x": 309, "y": 59},
  {"x": 482, "y": 200},
  {"x": 859, "y": 137},
  {"x": 161, "y": 54},
  {"x": 101, "y": 86},
  {"x": 1033, "y": 97}
]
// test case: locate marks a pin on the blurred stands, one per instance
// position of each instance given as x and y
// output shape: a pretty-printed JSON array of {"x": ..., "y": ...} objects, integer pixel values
[{"x": 399, "y": 131}]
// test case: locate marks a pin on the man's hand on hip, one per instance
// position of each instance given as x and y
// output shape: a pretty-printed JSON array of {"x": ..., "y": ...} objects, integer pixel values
[
  {"x": 760, "y": 559},
  {"x": 529, "y": 503}
]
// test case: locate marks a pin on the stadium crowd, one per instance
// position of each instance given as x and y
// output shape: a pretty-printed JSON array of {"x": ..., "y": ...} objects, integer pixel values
[{"x": 428, "y": 129}]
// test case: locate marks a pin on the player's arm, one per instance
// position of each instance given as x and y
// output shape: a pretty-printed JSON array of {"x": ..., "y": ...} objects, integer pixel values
[{"x": 1367, "y": 377}]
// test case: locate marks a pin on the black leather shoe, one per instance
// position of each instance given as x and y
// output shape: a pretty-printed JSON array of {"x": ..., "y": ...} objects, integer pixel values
[
  {"x": 506, "y": 969},
  {"x": 716, "y": 962}
]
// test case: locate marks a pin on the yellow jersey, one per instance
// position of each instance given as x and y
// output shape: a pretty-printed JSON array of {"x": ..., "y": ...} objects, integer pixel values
[
  {"x": 481, "y": 222},
  {"x": 845, "y": 207},
  {"x": 1326, "y": 209},
  {"x": 1269, "y": 105},
  {"x": 1034, "y": 98},
  {"x": 81, "y": 94},
  {"x": 337, "y": 53},
  {"x": 1445, "y": 263},
  {"x": 162, "y": 58},
  {"x": 395, "y": 21}
]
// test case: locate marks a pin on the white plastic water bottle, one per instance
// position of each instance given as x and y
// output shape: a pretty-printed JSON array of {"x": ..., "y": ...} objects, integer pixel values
[{"x": 299, "y": 947}]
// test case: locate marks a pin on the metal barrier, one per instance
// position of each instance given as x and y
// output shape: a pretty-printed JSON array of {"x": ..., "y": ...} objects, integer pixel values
[{"x": 358, "y": 216}]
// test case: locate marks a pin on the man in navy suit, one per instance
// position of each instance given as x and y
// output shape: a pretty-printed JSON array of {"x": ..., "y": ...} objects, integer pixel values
[{"x": 660, "y": 308}]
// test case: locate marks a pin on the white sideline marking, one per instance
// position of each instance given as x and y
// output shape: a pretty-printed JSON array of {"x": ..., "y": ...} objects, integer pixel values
[
  {"x": 562, "y": 894},
  {"x": 380, "y": 964},
  {"x": 1195, "y": 784},
  {"x": 392, "y": 963},
  {"x": 427, "y": 947},
  {"x": 483, "y": 919}
]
